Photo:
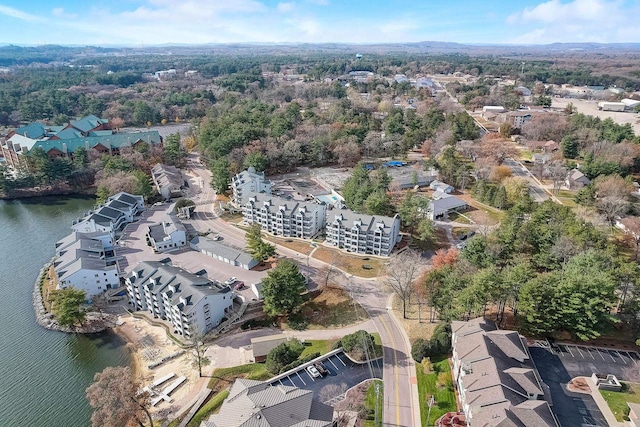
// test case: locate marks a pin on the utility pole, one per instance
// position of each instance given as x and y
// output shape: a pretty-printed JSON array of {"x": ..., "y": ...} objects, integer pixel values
[{"x": 430, "y": 404}]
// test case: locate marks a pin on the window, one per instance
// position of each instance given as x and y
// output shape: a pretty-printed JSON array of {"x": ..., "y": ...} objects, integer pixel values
[{"x": 97, "y": 275}]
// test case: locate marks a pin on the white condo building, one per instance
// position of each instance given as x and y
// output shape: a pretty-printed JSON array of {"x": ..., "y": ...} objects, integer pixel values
[
  {"x": 363, "y": 234},
  {"x": 248, "y": 182},
  {"x": 168, "y": 235},
  {"x": 281, "y": 217},
  {"x": 191, "y": 303},
  {"x": 119, "y": 210}
]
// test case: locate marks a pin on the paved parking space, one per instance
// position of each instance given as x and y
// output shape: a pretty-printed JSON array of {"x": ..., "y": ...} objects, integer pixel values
[{"x": 343, "y": 374}]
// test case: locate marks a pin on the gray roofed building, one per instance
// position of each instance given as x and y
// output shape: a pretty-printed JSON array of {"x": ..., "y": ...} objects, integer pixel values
[
  {"x": 257, "y": 404},
  {"x": 168, "y": 235},
  {"x": 167, "y": 180},
  {"x": 497, "y": 381},
  {"x": 363, "y": 234},
  {"x": 118, "y": 211},
  {"x": 444, "y": 205},
  {"x": 576, "y": 180},
  {"x": 441, "y": 186},
  {"x": 248, "y": 182},
  {"x": 222, "y": 252},
  {"x": 192, "y": 303}
]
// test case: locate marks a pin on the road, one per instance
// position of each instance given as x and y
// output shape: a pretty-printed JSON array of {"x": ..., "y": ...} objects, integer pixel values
[
  {"x": 537, "y": 192},
  {"x": 401, "y": 407}
]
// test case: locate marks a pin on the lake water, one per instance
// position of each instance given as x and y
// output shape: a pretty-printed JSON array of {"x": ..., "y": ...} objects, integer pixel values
[{"x": 43, "y": 374}]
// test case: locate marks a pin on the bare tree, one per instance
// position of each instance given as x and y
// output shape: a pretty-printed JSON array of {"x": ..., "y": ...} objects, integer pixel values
[
  {"x": 196, "y": 354},
  {"x": 403, "y": 269},
  {"x": 557, "y": 173},
  {"x": 114, "y": 397},
  {"x": 612, "y": 196},
  {"x": 632, "y": 231}
]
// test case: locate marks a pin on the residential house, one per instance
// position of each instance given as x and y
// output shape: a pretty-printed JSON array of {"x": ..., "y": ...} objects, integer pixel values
[
  {"x": 544, "y": 146},
  {"x": 281, "y": 217},
  {"x": 256, "y": 403},
  {"x": 444, "y": 205},
  {"x": 441, "y": 186},
  {"x": 412, "y": 180},
  {"x": 256, "y": 288},
  {"x": 363, "y": 234},
  {"x": 119, "y": 210},
  {"x": 248, "y": 182},
  {"x": 498, "y": 383},
  {"x": 222, "y": 252},
  {"x": 489, "y": 111},
  {"x": 191, "y": 303},
  {"x": 261, "y": 346},
  {"x": 86, "y": 261},
  {"x": 576, "y": 180},
  {"x": 542, "y": 158},
  {"x": 168, "y": 181},
  {"x": 168, "y": 235}
]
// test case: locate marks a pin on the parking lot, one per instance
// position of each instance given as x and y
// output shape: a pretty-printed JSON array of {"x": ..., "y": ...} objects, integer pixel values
[
  {"x": 563, "y": 362},
  {"x": 342, "y": 375}
]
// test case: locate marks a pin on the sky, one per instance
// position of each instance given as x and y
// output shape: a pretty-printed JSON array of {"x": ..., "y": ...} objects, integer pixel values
[{"x": 154, "y": 22}]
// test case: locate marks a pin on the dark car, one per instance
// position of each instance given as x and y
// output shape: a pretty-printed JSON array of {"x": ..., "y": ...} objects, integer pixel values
[
  {"x": 320, "y": 367},
  {"x": 239, "y": 286}
]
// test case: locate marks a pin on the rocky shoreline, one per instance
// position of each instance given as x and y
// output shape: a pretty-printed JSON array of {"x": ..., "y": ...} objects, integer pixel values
[
  {"x": 61, "y": 190},
  {"x": 95, "y": 322}
]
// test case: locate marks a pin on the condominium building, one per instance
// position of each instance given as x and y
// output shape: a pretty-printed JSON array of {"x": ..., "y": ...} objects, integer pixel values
[
  {"x": 168, "y": 235},
  {"x": 192, "y": 303},
  {"x": 86, "y": 261},
  {"x": 248, "y": 182},
  {"x": 119, "y": 210},
  {"x": 281, "y": 217},
  {"x": 363, "y": 234},
  {"x": 497, "y": 382},
  {"x": 168, "y": 180}
]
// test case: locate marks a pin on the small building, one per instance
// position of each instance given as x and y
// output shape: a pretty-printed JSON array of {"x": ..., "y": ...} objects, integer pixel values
[
  {"x": 611, "y": 106},
  {"x": 168, "y": 235},
  {"x": 630, "y": 103},
  {"x": 443, "y": 206},
  {"x": 493, "y": 109},
  {"x": 261, "y": 346},
  {"x": 542, "y": 158},
  {"x": 257, "y": 403},
  {"x": 256, "y": 288},
  {"x": 576, "y": 180},
  {"x": 412, "y": 180},
  {"x": 168, "y": 181},
  {"x": 441, "y": 186},
  {"x": 247, "y": 183},
  {"x": 222, "y": 252}
]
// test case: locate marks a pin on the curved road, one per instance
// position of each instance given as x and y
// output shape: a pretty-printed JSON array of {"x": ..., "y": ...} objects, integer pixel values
[{"x": 401, "y": 407}]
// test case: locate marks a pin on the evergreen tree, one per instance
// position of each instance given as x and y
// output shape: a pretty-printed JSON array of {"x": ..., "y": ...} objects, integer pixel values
[{"x": 282, "y": 288}]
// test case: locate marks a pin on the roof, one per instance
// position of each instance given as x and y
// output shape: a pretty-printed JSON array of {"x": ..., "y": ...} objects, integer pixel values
[
  {"x": 88, "y": 123},
  {"x": 32, "y": 130},
  {"x": 575, "y": 175},
  {"x": 290, "y": 207},
  {"x": 166, "y": 175},
  {"x": 349, "y": 219},
  {"x": 445, "y": 203},
  {"x": 258, "y": 404},
  {"x": 127, "y": 198},
  {"x": 108, "y": 141},
  {"x": 220, "y": 249},
  {"x": 169, "y": 225}
]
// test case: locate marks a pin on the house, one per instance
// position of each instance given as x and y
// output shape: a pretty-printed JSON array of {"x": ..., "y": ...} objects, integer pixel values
[
  {"x": 630, "y": 103},
  {"x": 541, "y": 158},
  {"x": 363, "y": 234},
  {"x": 223, "y": 252},
  {"x": 119, "y": 210},
  {"x": 576, "y": 180},
  {"x": 440, "y": 208},
  {"x": 191, "y": 303},
  {"x": 168, "y": 181},
  {"x": 544, "y": 146},
  {"x": 498, "y": 383},
  {"x": 248, "y": 182},
  {"x": 441, "y": 186},
  {"x": 168, "y": 235},
  {"x": 261, "y": 346},
  {"x": 86, "y": 261},
  {"x": 257, "y": 403},
  {"x": 489, "y": 111},
  {"x": 412, "y": 180},
  {"x": 281, "y": 217}
]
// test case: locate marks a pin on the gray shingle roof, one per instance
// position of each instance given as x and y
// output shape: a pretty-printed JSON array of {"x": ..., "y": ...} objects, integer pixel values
[
  {"x": 220, "y": 249},
  {"x": 349, "y": 218}
]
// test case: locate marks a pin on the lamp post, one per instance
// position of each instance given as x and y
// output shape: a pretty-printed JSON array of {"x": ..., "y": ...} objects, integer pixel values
[{"x": 430, "y": 404}]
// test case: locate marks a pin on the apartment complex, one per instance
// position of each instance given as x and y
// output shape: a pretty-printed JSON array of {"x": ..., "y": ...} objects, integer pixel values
[
  {"x": 497, "y": 382},
  {"x": 168, "y": 180},
  {"x": 192, "y": 303},
  {"x": 168, "y": 235},
  {"x": 281, "y": 217},
  {"x": 119, "y": 210},
  {"x": 86, "y": 261},
  {"x": 363, "y": 234},
  {"x": 256, "y": 403},
  {"x": 248, "y": 182}
]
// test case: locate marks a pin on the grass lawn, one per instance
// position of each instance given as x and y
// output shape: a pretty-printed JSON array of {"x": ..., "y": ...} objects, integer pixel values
[
  {"x": 361, "y": 266},
  {"x": 302, "y": 247},
  {"x": 370, "y": 403},
  {"x": 617, "y": 400},
  {"x": 211, "y": 407},
  {"x": 224, "y": 377},
  {"x": 439, "y": 241},
  {"x": 526, "y": 154},
  {"x": 458, "y": 217},
  {"x": 316, "y": 346},
  {"x": 445, "y": 397},
  {"x": 332, "y": 308}
]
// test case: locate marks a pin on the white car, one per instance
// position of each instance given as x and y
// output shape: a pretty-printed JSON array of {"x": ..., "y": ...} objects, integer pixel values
[
  {"x": 231, "y": 281},
  {"x": 313, "y": 371}
]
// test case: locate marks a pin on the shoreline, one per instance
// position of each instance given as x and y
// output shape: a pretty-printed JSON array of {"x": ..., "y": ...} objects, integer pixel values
[{"x": 29, "y": 193}]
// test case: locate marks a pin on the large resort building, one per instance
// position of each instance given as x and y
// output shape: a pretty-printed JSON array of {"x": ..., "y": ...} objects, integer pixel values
[
  {"x": 247, "y": 183},
  {"x": 363, "y": 234},
  {"x": 191, "y": 303},
  {"x": 281, "y": 217},
  {"x": 119, "y": 210},
  {"x": 88, "y": 133}
]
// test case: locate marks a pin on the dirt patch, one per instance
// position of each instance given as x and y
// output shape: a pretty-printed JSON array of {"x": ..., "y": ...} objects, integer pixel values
[
  {"x": 361, "y": 266},
  {"x": 297, "y": 245},
  {"x": 332, "y": 308},
  {"x": 412, "y": 325},
  {"x": 579, "y": 385}
]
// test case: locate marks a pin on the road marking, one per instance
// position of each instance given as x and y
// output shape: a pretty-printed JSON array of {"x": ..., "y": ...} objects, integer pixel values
[
  {"x": 340, "y": 359},
  {"x": 621, "y": 358},
  {"x": 569, "y": 348},
  {"x": 632, "y": 358},
  {"x": 612, "y": 358},
  {"x": 578, "y": 348},
  {"x": 600, "y": 353},
  {"x": 300, "y": 378},
  {"x": 334, "y": 365},
  {"x": 395, "y": 369},
  {"x": 590, "y": 354}
]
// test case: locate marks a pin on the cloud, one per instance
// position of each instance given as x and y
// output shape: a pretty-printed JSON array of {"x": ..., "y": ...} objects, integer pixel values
[
  {"x": 18, "y": 14},
  {"x": 319, "y": 2},
  {"x": 285, "y": 7},
  {"x": 576, "y": 10},
  {"x": 61, "y": 13}
]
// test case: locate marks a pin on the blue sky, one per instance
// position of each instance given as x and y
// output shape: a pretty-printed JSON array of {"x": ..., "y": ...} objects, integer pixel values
[{"x": 149, "y": 22}]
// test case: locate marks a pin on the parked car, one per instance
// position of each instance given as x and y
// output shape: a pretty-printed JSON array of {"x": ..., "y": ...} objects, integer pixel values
[
  {"x": 231, "y": 281},
  {"x": 320, "y": 367},
  {"x": 313, "y": 372},
  {"x": 239, "y": 286},
  {"x": 216, "y": 238}
]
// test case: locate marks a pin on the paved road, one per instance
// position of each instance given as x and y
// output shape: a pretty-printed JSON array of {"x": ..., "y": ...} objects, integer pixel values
[
  {"x": 538, "y": 193},
  {"x": 401, "y": 408}
]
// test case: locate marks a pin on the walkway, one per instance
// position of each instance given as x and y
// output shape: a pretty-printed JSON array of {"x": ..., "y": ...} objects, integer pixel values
[{"x": 602, "y": 404}]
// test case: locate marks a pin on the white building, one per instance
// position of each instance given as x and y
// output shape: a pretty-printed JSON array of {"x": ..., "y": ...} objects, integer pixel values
[
  {"x": 248, "y": 182},
  {"x": 192, "y": 303},
  {"x": 363, "y": 234},
  {"x": 167, "y": 180},
  {"x": 443, "y": 206},
  {"x": 86, "y": 261},
  {"x": 281, "y": 217},
  {"x": 223, "y": 252},
  {"x": 497, "y": 382},
  {"x": 168, "y": 235},
  {"x": 119, "y": 210}
]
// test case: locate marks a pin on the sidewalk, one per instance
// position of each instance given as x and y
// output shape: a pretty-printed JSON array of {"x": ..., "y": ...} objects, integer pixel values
[{"x": 602, "y": 404}]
